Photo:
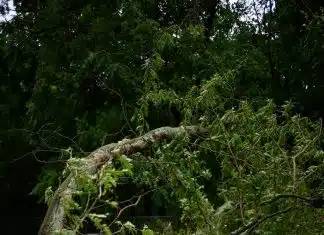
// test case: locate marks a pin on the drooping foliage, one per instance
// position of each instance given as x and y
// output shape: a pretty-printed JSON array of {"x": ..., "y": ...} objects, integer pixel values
[{"x": 76, "y": 75}]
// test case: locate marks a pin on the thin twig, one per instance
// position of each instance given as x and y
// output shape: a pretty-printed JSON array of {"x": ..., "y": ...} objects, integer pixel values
[
  {"x": 122, "y": 104},
  {"x": 126, "y": 207}
]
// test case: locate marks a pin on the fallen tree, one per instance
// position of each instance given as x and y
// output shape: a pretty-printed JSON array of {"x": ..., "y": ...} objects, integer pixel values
[{"x": 55, "y": 216}]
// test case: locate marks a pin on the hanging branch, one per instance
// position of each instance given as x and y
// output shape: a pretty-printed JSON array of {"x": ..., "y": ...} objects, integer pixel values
[
  {"x": 316, "y": 202},
  {"x": 258, "y": 220},
  {"x": 55, "y": 216}
]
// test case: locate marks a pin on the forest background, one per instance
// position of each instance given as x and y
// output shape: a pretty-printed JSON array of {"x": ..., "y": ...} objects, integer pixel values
[{"x": 76, "y": 75}]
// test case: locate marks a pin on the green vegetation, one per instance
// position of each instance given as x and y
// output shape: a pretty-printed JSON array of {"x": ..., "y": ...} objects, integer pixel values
[{"x": 78, "y": 75}]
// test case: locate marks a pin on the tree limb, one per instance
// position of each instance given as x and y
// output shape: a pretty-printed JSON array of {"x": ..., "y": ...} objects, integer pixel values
[{"x": 55, "y": 216}]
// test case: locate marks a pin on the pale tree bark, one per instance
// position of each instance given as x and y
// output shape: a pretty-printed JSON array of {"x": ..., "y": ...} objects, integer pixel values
[{"x": 54, "y": 218}]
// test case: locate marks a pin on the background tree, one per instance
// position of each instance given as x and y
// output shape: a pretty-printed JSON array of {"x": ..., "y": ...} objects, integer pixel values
[{"x": 78, "y": 75}]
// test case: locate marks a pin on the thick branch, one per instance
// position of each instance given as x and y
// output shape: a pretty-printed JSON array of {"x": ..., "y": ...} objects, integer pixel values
[{"x": 54, "y": 218}]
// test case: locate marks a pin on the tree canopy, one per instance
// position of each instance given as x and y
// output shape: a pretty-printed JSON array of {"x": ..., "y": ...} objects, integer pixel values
[{"x": 79, "y": 75}]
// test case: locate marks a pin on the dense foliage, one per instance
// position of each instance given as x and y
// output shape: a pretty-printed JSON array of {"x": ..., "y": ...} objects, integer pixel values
[{"x": 76, "y": 75}]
